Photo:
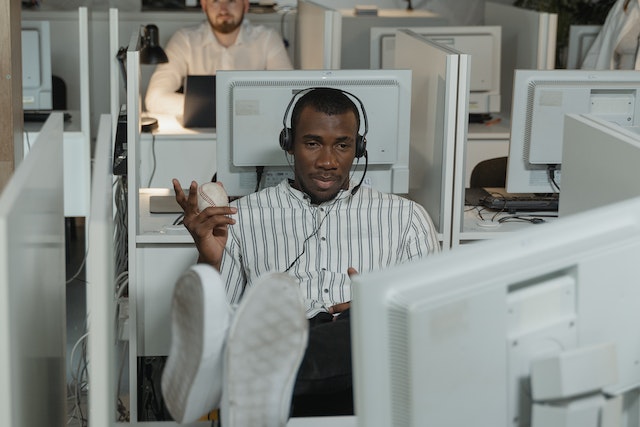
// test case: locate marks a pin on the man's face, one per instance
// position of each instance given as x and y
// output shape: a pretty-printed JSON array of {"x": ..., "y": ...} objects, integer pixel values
[
  {"x": 225, "y": 16},
  {"x": 323, "y": 149}
]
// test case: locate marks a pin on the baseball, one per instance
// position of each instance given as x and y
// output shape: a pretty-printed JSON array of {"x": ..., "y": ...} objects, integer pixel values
[{"x": 212, "y": 194}]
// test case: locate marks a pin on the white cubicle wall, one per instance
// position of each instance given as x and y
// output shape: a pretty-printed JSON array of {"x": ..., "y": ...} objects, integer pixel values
[
  {"x": 528, "y": 42},
  {"x": 133, "y": 143},
  {"x": 101, "y": 292},
  {"x": 317, "y": 47},
  {"x": 340, "y": 37},
  {"x": 599, "y": 164},
  {"x": 439, "y": 111},
  {"x": 32, "y": 287}
]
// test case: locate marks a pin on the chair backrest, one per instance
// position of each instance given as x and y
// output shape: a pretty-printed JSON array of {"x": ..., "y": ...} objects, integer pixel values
[
  {"x": 489, "y": 173},
  {"x": 58, "y": 93}
]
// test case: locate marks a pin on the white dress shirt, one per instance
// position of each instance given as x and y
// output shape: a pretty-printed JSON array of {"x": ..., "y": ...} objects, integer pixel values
[
  {"x": 616, "y": 46},
  {"x": 195, "y": 50},
  {"x": 278, "y": 229}
]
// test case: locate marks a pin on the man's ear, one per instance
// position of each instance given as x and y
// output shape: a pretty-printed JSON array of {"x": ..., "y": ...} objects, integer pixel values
[{"x": 246, "y": 6}]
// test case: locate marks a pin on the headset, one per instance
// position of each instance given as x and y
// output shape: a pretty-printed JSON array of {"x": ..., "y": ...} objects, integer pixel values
[{"x": 286, "y": 135}]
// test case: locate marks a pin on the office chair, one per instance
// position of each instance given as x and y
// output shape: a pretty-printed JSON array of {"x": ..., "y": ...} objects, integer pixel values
[{"x": 489, "y": 173}]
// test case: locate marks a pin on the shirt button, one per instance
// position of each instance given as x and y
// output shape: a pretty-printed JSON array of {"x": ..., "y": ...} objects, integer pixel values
[
  {"x": 323, "y": 238},
  {"x": 323, "y": 269},
  {"x": 326, "y": 291}
]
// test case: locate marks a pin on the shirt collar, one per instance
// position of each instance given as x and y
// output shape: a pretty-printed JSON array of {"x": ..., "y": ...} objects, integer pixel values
[
  {"x": 209, "y": 37},
  {"x": 303, "y": 198}
]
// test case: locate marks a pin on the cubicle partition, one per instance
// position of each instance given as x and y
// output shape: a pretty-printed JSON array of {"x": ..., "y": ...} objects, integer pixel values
[
  {"x": 528, "y": 42},
  {"x": 439, "y": 111},
  {"x": 32, "y": 287}
]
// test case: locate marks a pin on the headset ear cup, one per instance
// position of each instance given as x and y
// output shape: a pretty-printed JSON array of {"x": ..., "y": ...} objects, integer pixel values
[
  {"x": 361, "y": 146},
  {"x": 285, "y": 139}
]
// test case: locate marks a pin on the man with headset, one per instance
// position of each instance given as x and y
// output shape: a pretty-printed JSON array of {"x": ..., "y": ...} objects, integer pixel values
[
  {"x": 284, "y": 255},
  {"x": 225, "y": 41}
]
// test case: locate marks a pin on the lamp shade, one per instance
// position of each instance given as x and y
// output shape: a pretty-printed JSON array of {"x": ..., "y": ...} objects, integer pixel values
[{"x": 151, "y": 52}]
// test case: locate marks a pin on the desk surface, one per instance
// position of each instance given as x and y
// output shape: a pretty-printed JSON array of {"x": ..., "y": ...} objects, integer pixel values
[
  {"x": 169, "y": 125},
  {"x": 480, "y": 223},
  {"x": 500, "y": 128},
  {"x": 159, "y": 228}
]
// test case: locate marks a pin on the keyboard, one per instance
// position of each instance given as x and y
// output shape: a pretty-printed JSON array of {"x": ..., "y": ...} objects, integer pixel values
[
  {"x": 499, "y": 199},
  {"x": 41, "y": 116}
]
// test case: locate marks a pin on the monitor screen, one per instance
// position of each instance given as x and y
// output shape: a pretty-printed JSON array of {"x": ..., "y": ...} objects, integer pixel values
[
  {"x": 482, "y": 43},
  {"x": 32, "y": 287},
  {"x": 439, "y": 108},
  {"x": 251, "y": 108},
  {"x": 36, "y": 66},
  {"x": 581, "y": 37},
  {"x": 454, "y": 339},
  {"x": 599, "y": 163},
  {"x": 541, "y": 99}
]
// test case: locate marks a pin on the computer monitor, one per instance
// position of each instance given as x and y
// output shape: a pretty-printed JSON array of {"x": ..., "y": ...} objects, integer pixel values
[
  {"x": 453, "y": 340},
  {"x": 251, "y": 107},
  {"x": 482, "y": 43},
  {"x": 599, "y": 163},
  {"x": 581, "y": 37},
  {"x": 439, "y": 110},
  {"x": 541, "y": 98},
  {"x": 528, "y": 42},
  {"x": 101, "y": 288},
  {"x": 36, "y": 66},
  {"x": 32, "y": 286}
]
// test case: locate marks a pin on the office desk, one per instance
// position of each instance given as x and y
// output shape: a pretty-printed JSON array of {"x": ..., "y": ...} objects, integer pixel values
[
  {"x": 482, "y": 224},
  {"x": 171, "y": 151},
  {"x": 163, "y": 253},
  {"x": 77, "y": 169},
  {"x": 472, "y": 223}
]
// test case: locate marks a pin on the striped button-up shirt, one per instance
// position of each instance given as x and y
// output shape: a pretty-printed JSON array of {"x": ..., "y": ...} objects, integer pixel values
[{"x": 278, "y": 229}]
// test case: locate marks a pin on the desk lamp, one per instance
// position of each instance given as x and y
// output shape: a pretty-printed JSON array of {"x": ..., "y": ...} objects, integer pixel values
[{"x": 150, "y": 53}]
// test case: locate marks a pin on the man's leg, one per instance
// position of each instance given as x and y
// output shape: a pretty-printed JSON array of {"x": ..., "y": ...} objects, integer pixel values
[
  {"x": 200, "y": 317},
  {"x": 324, "y": 380},
  {"x": 266, "y": 343}
]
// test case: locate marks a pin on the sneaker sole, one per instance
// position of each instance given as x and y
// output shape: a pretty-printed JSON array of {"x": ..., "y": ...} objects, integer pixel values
[
  {"x": 265, "y": 346},
  {"x": 192, "y": 377}
]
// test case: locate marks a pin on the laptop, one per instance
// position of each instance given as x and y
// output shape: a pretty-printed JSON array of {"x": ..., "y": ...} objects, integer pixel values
[{"x": 199, "y": 102}]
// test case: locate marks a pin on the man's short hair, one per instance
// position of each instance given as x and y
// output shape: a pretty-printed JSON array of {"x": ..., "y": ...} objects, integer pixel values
[{"x": 327, "y": 100}]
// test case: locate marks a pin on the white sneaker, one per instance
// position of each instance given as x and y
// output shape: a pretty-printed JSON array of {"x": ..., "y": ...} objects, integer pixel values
[
  {"x": 200, "y": 317},
  {"x": 266, "y": 342}
]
